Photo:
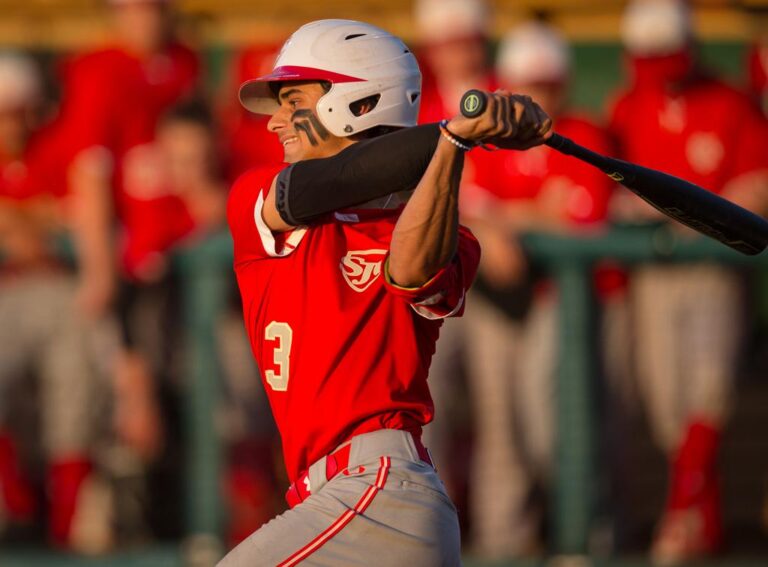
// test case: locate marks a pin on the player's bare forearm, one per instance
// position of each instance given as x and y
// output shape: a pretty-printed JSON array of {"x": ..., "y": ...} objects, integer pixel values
[
  {"x": 92, "y": 231},
  {"x": 425, "y": 236}
]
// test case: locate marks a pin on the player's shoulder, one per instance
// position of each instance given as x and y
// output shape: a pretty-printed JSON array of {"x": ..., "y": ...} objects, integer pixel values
[
  {"x": 713, "y": 92},
  {"x": 713, "y": 84},
  {"x": 105, "y": 65},
  {"x": 579, "y": 122},
  {"x": 621, "y": 98},
  {"x": 183, "y": 54},
  {"x": 249, "y": 185},
  {"x": 101, "y": 58},
  {"x": 583, "y": 128},
  {"x": 257, "y": 177},
  {"x": 621, "y": 105}
]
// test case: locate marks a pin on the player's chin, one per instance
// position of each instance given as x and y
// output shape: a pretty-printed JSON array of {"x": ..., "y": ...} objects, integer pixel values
[{"x": 293, "y": 154}]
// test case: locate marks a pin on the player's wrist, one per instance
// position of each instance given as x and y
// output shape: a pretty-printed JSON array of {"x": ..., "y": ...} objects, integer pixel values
[
  {"x": 460, "y": 142},
  {"x": 470, "y": 129}
]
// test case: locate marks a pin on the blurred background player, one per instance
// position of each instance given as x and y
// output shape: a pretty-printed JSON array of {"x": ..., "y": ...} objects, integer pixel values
[
  {"x": 513, "y": 365},
  {"x": 42, "y": 333},
  {"x": 103, "y": 124},
  {"x": 454, "y": 51},
  {"x": 676, "y": 117},
  {"x": 107, "y": 131},
  {"x": 177, "y": 191}
]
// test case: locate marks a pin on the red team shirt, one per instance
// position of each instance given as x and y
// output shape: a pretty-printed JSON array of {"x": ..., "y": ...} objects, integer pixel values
[
  {"x": 114, "y": 99},
  {"x": 341, "y": 350},
  {"x": 38, "y": 172},
  {"x": 433, "y": 109},
  {"x": 521, "y": 175},
  {"x": 708, "y": 135}
]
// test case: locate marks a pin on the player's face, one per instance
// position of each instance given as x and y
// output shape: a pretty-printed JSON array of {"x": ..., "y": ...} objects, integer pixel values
[
  {"x": 549, "y": 95},
  {"x": 14, "y": 129},
  {"x": 142, "y": 25},
  {"x": 297, "y": 126},
  {"x": 188, "y": 154},
  {"x": 457, "y": 58}
]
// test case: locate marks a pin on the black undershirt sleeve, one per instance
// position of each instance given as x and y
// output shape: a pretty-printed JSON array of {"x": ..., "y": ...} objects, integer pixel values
[{"x": 364, "y": 171}]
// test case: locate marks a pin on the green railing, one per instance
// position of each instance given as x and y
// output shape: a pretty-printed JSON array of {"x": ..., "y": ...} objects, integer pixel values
[
  {"x": 570, "y": 260},
  {"x": 206, "y": 271}
]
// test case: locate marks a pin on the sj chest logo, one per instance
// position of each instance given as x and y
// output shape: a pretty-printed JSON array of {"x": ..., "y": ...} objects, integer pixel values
[{"x": 361, "y": 268}]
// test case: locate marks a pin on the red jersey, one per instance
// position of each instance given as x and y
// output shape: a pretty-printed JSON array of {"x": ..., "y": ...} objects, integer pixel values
[
  {"x": 155, "y": 217},
  {"x": 510, "y": 175},
  {"x": 31, "y": 193},
  {"x": 171, "y": 222},
  {"x": 342, "y": 351},
  {"x": 114, "y": 99},
  {"x": 708, "y": 134},
  {"x": 39, "y": 172}
]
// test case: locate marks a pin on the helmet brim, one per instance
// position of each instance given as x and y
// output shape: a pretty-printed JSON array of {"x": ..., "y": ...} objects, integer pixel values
[{"x": 257, "y": 95}]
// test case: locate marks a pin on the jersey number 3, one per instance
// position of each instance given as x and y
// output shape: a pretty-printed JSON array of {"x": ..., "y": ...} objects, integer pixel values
[{"x": 283, "y": 334}]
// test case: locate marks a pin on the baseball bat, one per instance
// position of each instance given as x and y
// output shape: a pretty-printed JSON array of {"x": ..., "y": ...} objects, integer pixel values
[{"x": 677, "y": 198}]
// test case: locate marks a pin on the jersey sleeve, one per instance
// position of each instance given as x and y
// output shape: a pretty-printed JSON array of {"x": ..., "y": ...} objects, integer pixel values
[
  {"x": 443, "y": 295},
  {"x": 253, "y": 240}
]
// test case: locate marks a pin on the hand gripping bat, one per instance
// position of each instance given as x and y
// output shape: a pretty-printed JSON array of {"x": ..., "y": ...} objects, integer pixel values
[{"x": 677, "y": 198}]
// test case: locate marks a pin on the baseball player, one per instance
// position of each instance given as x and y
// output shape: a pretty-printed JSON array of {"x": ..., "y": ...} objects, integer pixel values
[
  {"x": 686, "y": 319},
  {"x": 112, "y": 100},
  {"x": 513, "y": 356},
  {"x": 41, "y": 333},
  {"x": 345, "y": 280},
  {"x": 103, "y": 124}
]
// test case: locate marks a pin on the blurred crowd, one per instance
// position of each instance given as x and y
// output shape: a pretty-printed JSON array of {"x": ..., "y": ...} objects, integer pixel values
[{"x": 130, "y": 159}]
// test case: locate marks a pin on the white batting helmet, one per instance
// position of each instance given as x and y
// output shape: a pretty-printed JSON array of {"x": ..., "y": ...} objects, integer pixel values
[
  {"x": 20, "y": 81},
  {"x": 533, "y": 52},
  {"x": 444, "y": 20},
  {"x": 656, "y": 27},
  {"x": 359, "y": 61}
]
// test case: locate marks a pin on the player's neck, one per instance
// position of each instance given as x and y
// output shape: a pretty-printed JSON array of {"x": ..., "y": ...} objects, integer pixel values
[{"x": 329, "y": 149}]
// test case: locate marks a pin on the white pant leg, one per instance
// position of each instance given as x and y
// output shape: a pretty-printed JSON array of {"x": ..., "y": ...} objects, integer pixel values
[{"x": 500, "y": 482}]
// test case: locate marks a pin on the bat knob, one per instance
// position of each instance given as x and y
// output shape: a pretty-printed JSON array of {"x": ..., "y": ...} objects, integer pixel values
[{"x": 473, "y": 103}]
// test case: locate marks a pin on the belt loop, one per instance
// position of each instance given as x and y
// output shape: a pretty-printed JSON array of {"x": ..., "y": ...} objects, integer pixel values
[
  {"x": 316, "y": 474},
  {"x": 421, "y": 452}
]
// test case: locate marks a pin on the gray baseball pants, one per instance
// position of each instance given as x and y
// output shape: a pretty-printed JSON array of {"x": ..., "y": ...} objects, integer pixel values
[{"x": 388, "y": 508}]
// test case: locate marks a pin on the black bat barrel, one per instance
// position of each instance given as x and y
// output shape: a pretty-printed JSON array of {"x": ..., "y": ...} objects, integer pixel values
[{"x": 677, "y": 198}]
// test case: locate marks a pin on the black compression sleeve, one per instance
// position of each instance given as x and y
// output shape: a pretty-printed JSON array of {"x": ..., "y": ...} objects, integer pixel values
[{"x": 364, "y": 171}]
